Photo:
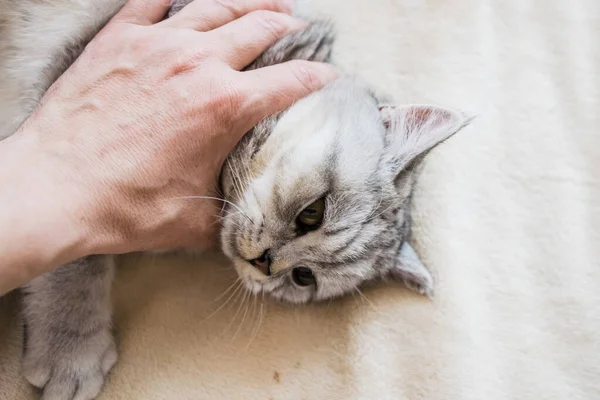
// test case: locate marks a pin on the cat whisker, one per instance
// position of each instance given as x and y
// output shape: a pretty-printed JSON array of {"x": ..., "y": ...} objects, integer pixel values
[
  {"x": 235, "y": 179},
  {"x": 235, "y": 223},
  {"x": 216, "y": 221},
  {"x": 248, "y": 174},
  {"x": 252, "y": 318},
  {"x": 241, "y": 297},
  {"x": 218, "y": 199},
  {"x": 239, "y": 285},
  {"x": 354, "y": 297},
  {"x": 374, "y": 209},
  {"x": 365, "y": 298},
  {"x": 219, "y": 191},
  {"x": 246, "y": 300},
  {"x": 328, "y": 304},
  {"x": 259, "y": 322},
  {"x": 242, "y": 173},
  {"x": 228, "y": 215},
  {"x": 392, "y": 204},
  {"x": 226, "y": 291}
]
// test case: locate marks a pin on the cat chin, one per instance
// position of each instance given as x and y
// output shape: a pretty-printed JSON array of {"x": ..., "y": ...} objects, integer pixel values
[
  {"x": 289, "y": 295},
  {"x": 292, "y": 299}
]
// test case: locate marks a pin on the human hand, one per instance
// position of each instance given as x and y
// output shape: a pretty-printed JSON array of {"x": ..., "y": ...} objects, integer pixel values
[{"x": 145, "y": 116}]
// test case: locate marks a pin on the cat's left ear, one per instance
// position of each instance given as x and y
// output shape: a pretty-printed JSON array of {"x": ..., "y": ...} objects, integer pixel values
[
  {"x": 414, "y": 130},
  {"x": 410, "y": 270}
]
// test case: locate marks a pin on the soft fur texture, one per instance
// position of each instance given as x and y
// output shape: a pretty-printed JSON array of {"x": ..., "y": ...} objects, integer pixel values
[
  {"x": 506, "y": 214},
  {"x": 341, "y": 145},
  {"x": 39, "y": 40}
]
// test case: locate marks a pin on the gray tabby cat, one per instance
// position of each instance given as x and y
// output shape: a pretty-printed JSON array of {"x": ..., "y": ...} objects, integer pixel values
[{"x": 319, "y": 194}]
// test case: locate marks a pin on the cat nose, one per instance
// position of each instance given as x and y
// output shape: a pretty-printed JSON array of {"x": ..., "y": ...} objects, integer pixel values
[{"x": 263, "y": 263}]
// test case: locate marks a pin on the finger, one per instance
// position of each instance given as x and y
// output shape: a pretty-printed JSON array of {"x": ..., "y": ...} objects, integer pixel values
[
  {"x": 275, "y": 88},
  {"x": 205, "y": 15},
  {"x": 241, "y": 41},
  {"x": 143, "y": 12}
]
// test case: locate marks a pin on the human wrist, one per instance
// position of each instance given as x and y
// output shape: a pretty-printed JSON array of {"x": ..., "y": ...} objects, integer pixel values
[{"x": 43, "y": 220}]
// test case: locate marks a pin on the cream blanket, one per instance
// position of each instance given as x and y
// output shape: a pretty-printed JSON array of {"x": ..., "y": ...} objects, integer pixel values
[{"x": 507, "y": 216}]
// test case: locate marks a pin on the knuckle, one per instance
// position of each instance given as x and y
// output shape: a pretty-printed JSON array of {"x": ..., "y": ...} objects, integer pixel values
[
  {"x": 305, "y": 75},
  {"x": 227, "y": 100},
  {"x": 181, "y": 60},
  {"x": 234, "y": 8},
  {"x": 232, "y": 100},
  {"x": 275, "y": 5},
  {"x": 278, "y": 5},
  {"x": 201, "y": 19},
  {"x": 273, "y": 23}
]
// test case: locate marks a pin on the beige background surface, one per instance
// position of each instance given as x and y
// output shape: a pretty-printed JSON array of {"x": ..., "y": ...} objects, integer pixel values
[{"x": 507, "y": 215}]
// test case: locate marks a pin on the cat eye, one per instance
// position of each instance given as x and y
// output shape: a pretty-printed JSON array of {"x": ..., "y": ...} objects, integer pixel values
[
  {"x": 312, "y": 216},
  {"x": 303, "y": 276}
]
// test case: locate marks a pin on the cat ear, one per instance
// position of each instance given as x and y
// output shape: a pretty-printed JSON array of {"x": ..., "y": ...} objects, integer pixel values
[
  {"x": 414, "y": 130},
  {"x": 314, "y": 43},
  {"x": 410, "y": 270}
]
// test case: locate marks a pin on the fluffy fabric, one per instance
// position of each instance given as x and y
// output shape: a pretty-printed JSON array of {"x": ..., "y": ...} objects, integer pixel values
[{"x": 506, "y": 214}]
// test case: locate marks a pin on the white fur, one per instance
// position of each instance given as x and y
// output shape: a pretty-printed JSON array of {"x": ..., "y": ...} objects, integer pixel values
[
  {"x": 338, "y": 134},
  {"x": 27, "y": 47},
  {"x": 506, "y": 213},
  {"x": 333, "y": 144}
]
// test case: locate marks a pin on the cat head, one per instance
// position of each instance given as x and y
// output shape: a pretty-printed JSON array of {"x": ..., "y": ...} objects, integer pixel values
[{"x": 320, "y": 194}]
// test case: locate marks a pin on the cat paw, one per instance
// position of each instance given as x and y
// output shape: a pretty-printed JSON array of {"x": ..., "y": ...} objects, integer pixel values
[{"x": 73, "y": 368}]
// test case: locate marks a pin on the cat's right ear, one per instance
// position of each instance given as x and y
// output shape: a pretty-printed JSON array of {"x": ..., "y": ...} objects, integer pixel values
[
  {"x": 414, "y": 130},
  {"x": 314, "y": 43},
  {"x": 410, "y": 270}
]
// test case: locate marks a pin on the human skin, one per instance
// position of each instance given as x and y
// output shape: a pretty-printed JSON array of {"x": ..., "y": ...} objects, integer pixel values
[{"x": 144, "y": 117}]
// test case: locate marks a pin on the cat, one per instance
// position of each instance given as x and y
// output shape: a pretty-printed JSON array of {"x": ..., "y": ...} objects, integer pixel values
[{"x": 317, "y": 197}]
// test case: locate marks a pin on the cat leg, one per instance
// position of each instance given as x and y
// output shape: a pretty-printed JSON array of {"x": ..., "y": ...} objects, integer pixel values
[{"x": 68, "y": 343}]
